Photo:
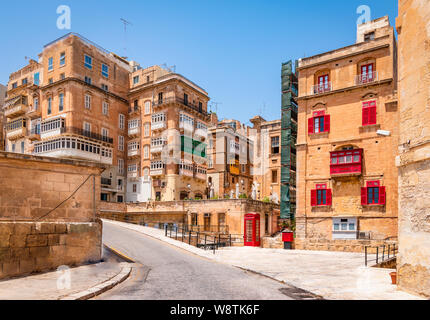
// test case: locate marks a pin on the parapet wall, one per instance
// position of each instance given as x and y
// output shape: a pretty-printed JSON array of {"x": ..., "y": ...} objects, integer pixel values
[{"x": 48, "y": 213}]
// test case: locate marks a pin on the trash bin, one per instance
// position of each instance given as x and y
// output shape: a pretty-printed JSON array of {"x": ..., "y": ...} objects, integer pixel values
[{"x": 288, "y": 239}]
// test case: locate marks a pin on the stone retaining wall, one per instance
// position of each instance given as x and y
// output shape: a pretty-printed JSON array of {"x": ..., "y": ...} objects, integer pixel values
[{"x": 28, "y": 247}]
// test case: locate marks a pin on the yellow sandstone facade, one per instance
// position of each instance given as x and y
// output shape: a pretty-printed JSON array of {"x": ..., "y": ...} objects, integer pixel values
[{"x": 347, "y": 142}]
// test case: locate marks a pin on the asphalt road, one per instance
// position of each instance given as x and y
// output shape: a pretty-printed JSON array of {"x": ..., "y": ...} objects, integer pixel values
[{"x": 165, "y": 272}]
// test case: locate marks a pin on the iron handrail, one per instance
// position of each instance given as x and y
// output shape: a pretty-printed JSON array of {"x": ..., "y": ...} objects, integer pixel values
[{"x": 391, "y": 248}]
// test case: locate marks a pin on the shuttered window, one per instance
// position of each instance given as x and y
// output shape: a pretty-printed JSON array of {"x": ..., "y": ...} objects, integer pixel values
[
  {"x": 373, "y": 194},
  {"x": 321, "y": 196},
  {"x": 369, "y": 113},
  {"x": 320, "y": 122}
]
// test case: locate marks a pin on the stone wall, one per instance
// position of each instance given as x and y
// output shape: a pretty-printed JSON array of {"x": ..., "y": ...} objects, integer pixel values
[
  {"x": 413, "y": 27},
  {"x": 48, "y": 214},
  {"x": 29, "y": 247},
  {"x": 339, "y": 245}
]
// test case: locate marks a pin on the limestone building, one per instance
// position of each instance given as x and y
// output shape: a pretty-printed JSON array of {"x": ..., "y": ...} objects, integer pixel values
[
  {"x": 3, "y": 92},
  {"x": 413, "y": 261},
  {"x": 347, "y": 141},
  {"x": 167, "y": 132},
  {"x": 229, "y": 160},
  {"x": 267, "y": 158}
]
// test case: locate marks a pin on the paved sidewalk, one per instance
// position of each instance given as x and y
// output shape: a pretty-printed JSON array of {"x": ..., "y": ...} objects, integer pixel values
[
  {"x": 333, "y": 275},
  {"x": 44, "y": 286}
]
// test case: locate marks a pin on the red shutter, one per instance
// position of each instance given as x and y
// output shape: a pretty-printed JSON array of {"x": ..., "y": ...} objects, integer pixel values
[
  {"x": 365, "y": 116},
  {"x": 327, "y": 123},
  {"x": 314, "y": 198},
  {"x": 372, "y": 115},
  {"x": 311, "y": 125},
  {"x": 329, "y": 197},
  {"x": 382, "y": 195},
  {"x": 364, "y": 196}
]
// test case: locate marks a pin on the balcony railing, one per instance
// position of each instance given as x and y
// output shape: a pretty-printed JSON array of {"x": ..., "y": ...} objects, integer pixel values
[
  {"x": 134, "y": 131},
  {"x": 132, "y": 153},
  {"x": 188, "y": 104},
  {"x": 106, "y": 182},
  {"x": 234, "y": 147},
  {"x": 33, "y": 112},
  {"x": 321, "y": 88},
  {"x": 158, "y": 125},
  {"x": 88, "y": 134},
  {"x": 16, "y": 107},
  {"x": 366, "y": 78},
  {"x": 133, "y": 109}
]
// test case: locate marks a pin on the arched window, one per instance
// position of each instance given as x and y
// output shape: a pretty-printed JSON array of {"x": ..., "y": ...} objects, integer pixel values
[{"x": 147, "y": 107}]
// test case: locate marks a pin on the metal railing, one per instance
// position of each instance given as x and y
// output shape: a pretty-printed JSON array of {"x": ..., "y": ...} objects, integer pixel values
[
  {"x": 88, "y": 134},
  {"x": 200, "y": 240},
  {"x": 321, "y": 88},
  {"x": 366, "y": 78},
  {"x": 223, "y": 229},
  {"x": 189, "y": 104},
  {"x": 381, "y": 253}
]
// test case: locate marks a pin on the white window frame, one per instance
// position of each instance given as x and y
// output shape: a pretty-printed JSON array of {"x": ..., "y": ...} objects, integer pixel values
[
  {"x": 120, "y": 166},
  {"x": 88, "y": 102},
  {"x": 121, "y": 143},
  {"x": 121, "y": 121},
  {"x": 146, "y": 130},
  {"x": 147, "y": 107},
  {"x": 146, "y": 152},
  {"x": 105, "y": 108}
]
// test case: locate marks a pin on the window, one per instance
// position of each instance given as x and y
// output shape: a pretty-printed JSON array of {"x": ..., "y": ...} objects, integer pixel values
[
  {"x": 368, "y": 73},
  {"x": 13, "y": 147},
  {"x": 369, "y": 113},
  {"x": 146, "y": 130},
  {"x": 274, "y": 176},
  {"x": 120, "y": 143},
  {"x": 36, "y": 78},
  {"x": 105, "y": 134},
  {"x": 146, "y": 152},
  {"x": 275, "y": 145},
  {"x": 200, "y": 107},
  {"x": 186, "y": 121},
  {"x": 147, "y": 107},
  {"x": 134, "y": 188},
  {"x": 62, "y": 76},
  {"x": 105, "y": 108},
  {"x": 14, "y": 85},
  {"x": 121, "y": 121},
  {"x": 88, "y": 62},
  {"x": 369, "y": 36},
  {"x": 186, "y": 99},
  {"x": 87, "y": 101},
  {"x": 36, "y": 103},
  {"x": 51, "y": 81},
  {"x": 88, "y": 80},
  {"x": 120, "y": 166},
  {"x": 373, "y": 194},
  {"x": 24, "y": 81},
  {"x": 62, "y": 58},
  {"x": 50, "y": 64},
  {"x": 105, "y": 70},
  {"x": 49, "y": 105},
  {"x": 321, "y": 196},
  {"x": 323, "y": 84},
  {"x": 120, "y": 199},
  {"x": 319, "y": 123},
  {"x": 160, "y": 98},
  {"x": 136, "y": 80},
  {"x": 87, "y": 128},
  {"x": 61, "y": 102},
  {"x": 104, "y": 197},
  {"x": 105, "y": 87},
  {"x": 22, "y": 147}
]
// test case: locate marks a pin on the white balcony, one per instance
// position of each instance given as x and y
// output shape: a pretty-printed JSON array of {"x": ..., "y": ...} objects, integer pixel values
[
  {"x": 133, "y": 153},
  {"x": 234, "y": 147},
  {"x": 157, "y": 172},
  {"x": 201, "y": 173},
  {"x": 158, "y": 125},
  {"x": 186, "y": 173},
  {"x": 16, "y": 134},
  {"x": 366, "y": 78},
  {"x": 132, "y": 175},
  {"x": 132, "y": 132},
  {"x": 74, "y": 148},
  {"x": 15, "y": 111},
  {"x": 51, "y": 128},
  {"x": 321, "y": 88},
  {"x": 188, "y": 127},
  {"x": 201, "y": 133}
]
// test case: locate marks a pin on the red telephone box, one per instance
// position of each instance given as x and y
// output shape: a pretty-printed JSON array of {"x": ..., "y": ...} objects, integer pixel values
[{"x": 252, "y": 230}]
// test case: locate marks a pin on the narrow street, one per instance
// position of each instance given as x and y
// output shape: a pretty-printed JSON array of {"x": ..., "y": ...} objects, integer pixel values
[{"x": 169, "y": 273}]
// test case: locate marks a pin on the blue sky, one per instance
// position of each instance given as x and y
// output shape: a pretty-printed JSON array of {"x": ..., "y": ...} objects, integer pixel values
[{"x": 233, "y": 49}]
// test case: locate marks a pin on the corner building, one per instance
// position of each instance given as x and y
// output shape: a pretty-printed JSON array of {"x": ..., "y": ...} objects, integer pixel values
[{"x": 347, "y": 143}]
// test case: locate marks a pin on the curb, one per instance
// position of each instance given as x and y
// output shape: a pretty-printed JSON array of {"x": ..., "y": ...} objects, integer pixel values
[
  {"x": 101, "y": 288},
  {"x": 119, "y": 254}
]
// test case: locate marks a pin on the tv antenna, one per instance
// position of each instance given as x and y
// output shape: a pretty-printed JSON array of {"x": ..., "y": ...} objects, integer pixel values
[
  {"x": 214, "y": 105},
  {"x": 126, "y": 23},
  {"x": 171, "y": 69}
]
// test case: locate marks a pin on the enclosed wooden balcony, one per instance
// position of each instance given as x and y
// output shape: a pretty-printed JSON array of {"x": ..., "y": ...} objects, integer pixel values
[{"x": 346, "y": 162}]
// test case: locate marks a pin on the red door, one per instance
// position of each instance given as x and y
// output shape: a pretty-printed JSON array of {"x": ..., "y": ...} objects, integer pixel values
[{"x": 252, "y": 230}]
